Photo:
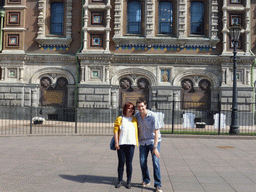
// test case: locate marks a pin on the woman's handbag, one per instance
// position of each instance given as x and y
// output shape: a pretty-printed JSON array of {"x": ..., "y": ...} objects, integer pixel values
[{"x": 112, "y": 144}]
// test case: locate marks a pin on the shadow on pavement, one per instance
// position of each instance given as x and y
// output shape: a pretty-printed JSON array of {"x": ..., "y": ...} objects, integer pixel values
[
  {"x": 99, "y": 180},
  {"x": 90, "y": 179},
  {"x": 138, "y": 185}
]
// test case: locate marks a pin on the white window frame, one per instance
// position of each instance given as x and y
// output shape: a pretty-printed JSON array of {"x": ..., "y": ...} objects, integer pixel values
[{"x": 42, "y": 38}]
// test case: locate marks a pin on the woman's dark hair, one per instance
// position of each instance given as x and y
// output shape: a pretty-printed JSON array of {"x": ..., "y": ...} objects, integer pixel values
[{"x": 126, "y": 106}]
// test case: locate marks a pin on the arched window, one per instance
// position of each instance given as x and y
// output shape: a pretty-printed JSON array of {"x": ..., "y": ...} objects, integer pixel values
[
  {"x": 57, "y": 18},
  {"x": 134, "y": 17},
  {"x": 165, "y": 17},
  {"x": 197, "y": 18}
]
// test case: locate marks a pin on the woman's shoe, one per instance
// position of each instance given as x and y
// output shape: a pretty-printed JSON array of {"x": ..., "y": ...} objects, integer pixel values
[
  {"x": 119, "y": 184},
  {"x": 159, "y": 189},
  {"x": 128, "y": 186},
  {"x": 145, "y": 184}
]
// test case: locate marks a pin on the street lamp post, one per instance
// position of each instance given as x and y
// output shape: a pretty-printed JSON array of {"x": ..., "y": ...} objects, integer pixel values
[{"x": 235, "y": 34}]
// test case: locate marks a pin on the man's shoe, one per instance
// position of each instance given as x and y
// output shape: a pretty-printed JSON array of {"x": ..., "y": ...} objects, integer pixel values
[
  {"x": 159, "y": 189},
  {"x": 119, "y": 184},
  {"x": 145, "y": 184},
  {"x": 128, "y": 186}
]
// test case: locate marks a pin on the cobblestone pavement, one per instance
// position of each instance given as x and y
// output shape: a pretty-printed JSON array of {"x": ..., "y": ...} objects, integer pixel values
[{"x": 85, "y": 163}]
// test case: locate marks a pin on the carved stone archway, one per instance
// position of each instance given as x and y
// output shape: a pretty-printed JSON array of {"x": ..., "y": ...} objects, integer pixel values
[
  {"x": 53, "y": 83},
  {"x": 134, "y": 72},
  {"x": 197, "y": 74},
  {"x": 53, "y": 73}
]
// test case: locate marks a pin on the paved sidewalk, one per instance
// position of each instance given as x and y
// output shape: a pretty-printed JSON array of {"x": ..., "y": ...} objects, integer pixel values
[{"x": 85, "y": 163}]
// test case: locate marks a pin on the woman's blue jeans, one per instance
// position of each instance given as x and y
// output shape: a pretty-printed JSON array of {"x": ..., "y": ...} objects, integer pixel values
[
  {"x": 144, "y": 151},
  {"x": 125, "y": 155}
]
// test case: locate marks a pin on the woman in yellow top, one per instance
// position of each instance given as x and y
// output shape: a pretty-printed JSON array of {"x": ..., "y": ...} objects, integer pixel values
[{"x": 126, "y": 137}]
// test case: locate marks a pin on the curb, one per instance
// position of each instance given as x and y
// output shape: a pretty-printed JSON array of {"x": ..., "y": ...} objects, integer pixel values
[{"x": 241, "y": 137}]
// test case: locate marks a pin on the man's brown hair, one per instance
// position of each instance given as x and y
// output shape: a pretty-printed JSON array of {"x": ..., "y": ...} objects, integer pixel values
[{"x": 141, "y": 100}]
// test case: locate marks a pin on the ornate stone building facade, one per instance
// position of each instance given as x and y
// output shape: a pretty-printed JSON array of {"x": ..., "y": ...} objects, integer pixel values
[{"x": 102, "y": 53}]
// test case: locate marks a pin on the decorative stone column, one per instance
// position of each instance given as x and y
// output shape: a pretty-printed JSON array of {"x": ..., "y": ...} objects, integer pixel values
[
  {"x": 150, "y": 4},
  {"x": 213, "y": 25},
  {"x": 86, "y": 20},
  {"x": 118, "y": 17},
  {"x": 248, "y": 77},
  {"x": 82, "y": 74},
  {"x": 3, "y": 73},
  {"x": 108, "y": 17},
  {"x": 153, "y": 107},
  {"x": 176, "y": 98},
  {"x": 225, "y": 27},
  {"x": 41, "y": 20},
  {"x": 2, "y": 13},
  {"x": 21, "y": 73},
  {"x": 247, "y": 30},
  {"x": 34, "y": 98},
  {"x": 182, "y": 14},
  {"x": 69, "y": 19},
  {"x": 224, "y": 76},
  {"x": 107, "y": 73},
  {"x": 114, "y": 99}
]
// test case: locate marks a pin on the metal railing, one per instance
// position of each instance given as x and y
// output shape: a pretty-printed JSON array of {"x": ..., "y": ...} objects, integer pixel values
[
  {"x": 205, "y": 118},
  {"x": 179, "y": 117}
]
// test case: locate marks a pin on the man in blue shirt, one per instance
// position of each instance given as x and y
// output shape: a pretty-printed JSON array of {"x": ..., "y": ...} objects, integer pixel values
[{"x": 150, "y": 140}]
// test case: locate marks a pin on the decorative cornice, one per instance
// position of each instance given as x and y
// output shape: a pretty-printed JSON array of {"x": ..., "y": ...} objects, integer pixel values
[
  {"x": 163, "y": 59},
  {"x": 242, "y": 60},
  {"x": 97, "y": 6},
  {"x": 95, "y": 57},
  {"x": 143, "y": 47},
  {"x": 52, "y": 58},
  {"x": 96, "y": 29},
  {"x": 28, "y": 57},
  {"x": 165, "y": 42},
  {"x": 13, "y": 29},
  {"x": 16, "y": 57},
  {"x": 234, "y": 8},
  {"x": 132, "y": 58},
  {"x": 47, "y": 41},
  {"x": 16, "y": 7}
]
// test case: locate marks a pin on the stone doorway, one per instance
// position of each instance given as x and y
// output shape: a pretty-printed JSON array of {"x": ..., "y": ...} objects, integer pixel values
[{"x": 131, "y": 93}]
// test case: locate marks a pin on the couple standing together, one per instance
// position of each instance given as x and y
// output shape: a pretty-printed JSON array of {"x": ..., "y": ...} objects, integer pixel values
[{"x": 130, "y": 129}]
